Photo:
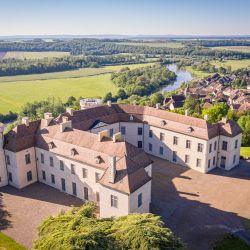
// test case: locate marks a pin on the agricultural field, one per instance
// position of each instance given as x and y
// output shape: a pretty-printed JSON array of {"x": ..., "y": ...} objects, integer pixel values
[
  {"x": 2, "y": 55},
  {"x": 245, "y": 151},
  {"x": 197, "y": 74},
  {"x": 156, "y": 44},
  {"x": 33, "y": 55},
  {"x": 16, "y": 91},
  {"x": 233, "y": 48},
  {"x": 235, "y": 64}
]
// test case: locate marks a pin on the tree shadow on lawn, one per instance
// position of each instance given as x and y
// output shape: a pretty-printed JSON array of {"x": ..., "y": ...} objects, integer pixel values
[
  {"x": 4, "y": 215},
  {"x": 198, "y": 224}
]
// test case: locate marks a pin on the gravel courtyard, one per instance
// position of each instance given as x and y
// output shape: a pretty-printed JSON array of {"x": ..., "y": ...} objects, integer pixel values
[
  {"x": 21, "y": 211},
  {"x": 200, "y": 208}
]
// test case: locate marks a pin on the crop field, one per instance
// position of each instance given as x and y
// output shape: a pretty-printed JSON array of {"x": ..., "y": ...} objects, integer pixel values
[
  {"x": 233, "y": 48},
  {"x": 235, "y": 64},
  {"x": 15, "y": 91},
  {"x": 155, "y": 44},
  {"x": 197, "y": 74},
  {"x": 33, "y": 55},
  {"x": 2, "y": 54}
]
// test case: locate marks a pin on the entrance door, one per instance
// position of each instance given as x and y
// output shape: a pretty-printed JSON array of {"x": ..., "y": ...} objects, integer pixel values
[
  {"x": 86, "y": 193},
  {"x": 223, "y": 162}
]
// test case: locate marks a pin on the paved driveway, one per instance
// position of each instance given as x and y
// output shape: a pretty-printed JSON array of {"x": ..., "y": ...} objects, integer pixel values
[
  {"x": 21, "y": 211},
  {"x": 200, "y": 208}
]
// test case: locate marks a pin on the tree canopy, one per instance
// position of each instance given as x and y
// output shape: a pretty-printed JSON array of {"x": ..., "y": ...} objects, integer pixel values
[{"x": 81, "y": 229}]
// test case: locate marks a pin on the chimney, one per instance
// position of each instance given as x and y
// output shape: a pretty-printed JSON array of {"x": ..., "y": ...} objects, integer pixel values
[
  {"x": 224, "y": 119},
  {"x": 48, "y": 118},
  {"x": 65, "y": 124},
  {"x": 158, "y": 105},
  {"x": 112, "y": 168},
  {"x": 109, "y": 103},
  {"x": 69, "y": 111},
  {"x": 186, "y": 112},
  {"x": 117, "y": 136},
  {"x": 25, "y": 121},
  {"x": 206, "y": 117},
  {"x": 102, "y": 134}
]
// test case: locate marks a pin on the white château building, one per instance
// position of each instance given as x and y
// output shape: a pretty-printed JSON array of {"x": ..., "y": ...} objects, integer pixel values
[{"x": 102, "y": 153}]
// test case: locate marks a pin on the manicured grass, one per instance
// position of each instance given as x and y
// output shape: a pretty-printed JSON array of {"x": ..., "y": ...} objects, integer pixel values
[
  {"x": 231, "y": 243},
  {"x": 15, "y": 93},
  {"x": 6, "y": 243},
  {"x": 233, "y": 48},
  {"x": 235, "y": 64},
  {"x": 245, "y": 151},
  {"x": 156, "y": 44},
  {"x": 34, "y": 55}
]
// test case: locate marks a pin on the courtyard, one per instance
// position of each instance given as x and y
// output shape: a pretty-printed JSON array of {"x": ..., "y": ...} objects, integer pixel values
[{"x": 201, "y": 208}]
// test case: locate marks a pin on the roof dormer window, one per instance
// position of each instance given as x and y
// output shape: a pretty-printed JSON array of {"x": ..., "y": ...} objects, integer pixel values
[
  {"x": 51, "y": 145},
  {"x": 73, "y": 152},
  {"x": 163, "y": 123}
]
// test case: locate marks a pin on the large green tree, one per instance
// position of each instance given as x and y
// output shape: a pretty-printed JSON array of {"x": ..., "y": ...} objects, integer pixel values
[
  {"x": 81, "y": 229},
  {"x": 244, "y": 123}
]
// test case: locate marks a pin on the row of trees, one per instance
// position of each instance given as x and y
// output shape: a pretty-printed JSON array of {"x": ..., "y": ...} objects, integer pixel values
[
  {"x": 110, "y": 47},
  {"x": 9, "y": 67},
  {"x": 81, "y": 229}
]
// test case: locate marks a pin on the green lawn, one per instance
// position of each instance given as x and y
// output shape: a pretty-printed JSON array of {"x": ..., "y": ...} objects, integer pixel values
[
  {"x": 6, "y": 243},
  {"x": 34, "y": 55},
  {"x": 235, "y": 64},
  {"x": 231, "y": 243},
  {"x": 233, "y": 48},
  {"x": 197, "y": 74},
  {"x": 245, "y": 151},
  {"x": 17, "y": 90}
]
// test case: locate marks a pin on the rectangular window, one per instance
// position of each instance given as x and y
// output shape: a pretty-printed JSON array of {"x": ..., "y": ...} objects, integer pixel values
[
  {"x": 236, "y": 144},
  {"x": 175, "y": 140},
  {"x": 42, "y": 158},
  {"x": 86, "y": 193},
  {"x": 114, "y": 201},
  {"x": 27, "y": 158},
  {"x": 200, "y": 147},
  {"x": 234, "y": 159},
  {"x": 162, "y": 136},
  {"x": 111, "y": 132},
  {"x": 44, "y": 175},
  {"x": 223, "y": 162},
  {"x": 51, "y": 161},
  {"x": 123, "y": 130},
  {"x": 198, "y": 163},
  {"x": 161, "y": 150},
  {"x": 174, "y": 156},
  {"x": 61, "y": 165},
  {"x": 72, "y": 167},
  {"x": 224, "y": 145},
  {"x": 63, "y": 184},
  {"x": 139, "y": 199},
  {"x": 188, "y": 144},
  {"x": 209, "y": 163},
  {"x": 97, "y": 177},
  {"x": 210, "y": 147},
  {"x": 84, "y": 173},
  {"x": 214, "y": 161},
  {"x": 139, "y": 144},
  {"x": 10, "y": 176},
  {"x": 7, "y": 159},
  {"x": 139, "y": 131},
  {"x": 97, "y": 196},
  {"x": 53, "y": 179},
  {"x": 29, "y": 176},
  {"x": 150, "y": 133},
  {"x": 186, "y": 158},
  {"x": 150, "y": 147},
  {"x": 74, "y": 191},
  {"x": 215, "y": 145}
]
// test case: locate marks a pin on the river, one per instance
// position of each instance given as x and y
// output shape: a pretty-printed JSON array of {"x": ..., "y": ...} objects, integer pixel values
[{"x": 182, "y": 76}]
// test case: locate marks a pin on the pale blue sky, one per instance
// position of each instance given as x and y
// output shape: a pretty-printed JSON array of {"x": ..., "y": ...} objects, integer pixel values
[{"x": 131, "y": 17}]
